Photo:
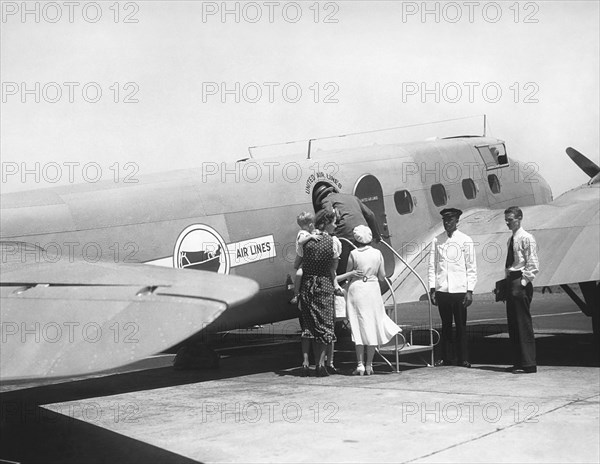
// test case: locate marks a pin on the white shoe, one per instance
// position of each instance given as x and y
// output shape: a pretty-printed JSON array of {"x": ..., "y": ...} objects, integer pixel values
[{"x": 360, "y": 370}]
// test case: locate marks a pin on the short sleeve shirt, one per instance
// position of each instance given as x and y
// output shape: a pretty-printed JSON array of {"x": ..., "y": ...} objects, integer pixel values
[{"x": 299, "y": 248}]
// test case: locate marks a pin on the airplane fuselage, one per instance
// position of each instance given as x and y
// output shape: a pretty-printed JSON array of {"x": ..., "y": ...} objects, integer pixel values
[{"x": 244, "y": 213}]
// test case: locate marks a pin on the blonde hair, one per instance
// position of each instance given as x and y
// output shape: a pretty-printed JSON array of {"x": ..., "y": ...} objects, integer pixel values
[{"x": 305, "y": 218}]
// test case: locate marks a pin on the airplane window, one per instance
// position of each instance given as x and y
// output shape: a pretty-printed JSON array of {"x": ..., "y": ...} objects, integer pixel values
[
  {"x": 493, "y": 155},
  {"x": 499, "y": 154},
  {"x": 494, "y": 183},
  {"x": 438, "y": 193},
  {"x": 469, "y": 189},
  {"x": 403, "y": 201}
]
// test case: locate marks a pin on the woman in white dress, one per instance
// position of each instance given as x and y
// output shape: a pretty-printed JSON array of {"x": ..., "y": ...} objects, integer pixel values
[{"x": 370, "y": 325}]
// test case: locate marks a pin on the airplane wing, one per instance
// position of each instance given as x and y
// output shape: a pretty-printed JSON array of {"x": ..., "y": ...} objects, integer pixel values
[
  {"x": 68, "y": 318},
  {"x": 566, "y": 231}
]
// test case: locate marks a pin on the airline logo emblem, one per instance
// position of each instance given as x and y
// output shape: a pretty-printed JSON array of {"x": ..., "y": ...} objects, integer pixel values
[{"x": 201, "y": 247}]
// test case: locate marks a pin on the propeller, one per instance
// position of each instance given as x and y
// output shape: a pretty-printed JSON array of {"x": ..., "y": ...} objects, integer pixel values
[{"x": 585, "y": 164}]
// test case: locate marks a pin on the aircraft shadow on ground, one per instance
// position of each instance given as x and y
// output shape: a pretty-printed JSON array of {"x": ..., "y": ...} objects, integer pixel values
[
  {"x": 31, "y": 433},
  {"x": 36, "y": 434},
  {"x": 489, "y": 344},
  {"x": 285, "y": 359},
  {"x": 233, "y": 364}
]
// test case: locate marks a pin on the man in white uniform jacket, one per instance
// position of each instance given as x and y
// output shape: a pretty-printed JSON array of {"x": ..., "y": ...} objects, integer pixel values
[{"x": 452, "y": 278}]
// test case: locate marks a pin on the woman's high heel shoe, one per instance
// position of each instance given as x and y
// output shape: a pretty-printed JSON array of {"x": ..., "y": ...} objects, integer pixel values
[
  {"x": 305, "y": 371},
  {"x": 369, "y": 369},
  {"x": 321, "y": 371},
  {"x": 360, "y": 370}
]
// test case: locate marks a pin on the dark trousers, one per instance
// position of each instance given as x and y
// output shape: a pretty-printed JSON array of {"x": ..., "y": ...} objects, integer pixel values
[
  {"x": 451, "y": 306},
  {"x": 520, "y": 327},
  {"x": 343, "y": 263}
]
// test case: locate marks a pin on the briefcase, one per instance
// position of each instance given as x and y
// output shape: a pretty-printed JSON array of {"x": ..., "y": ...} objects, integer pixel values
[{"x": 500, "y": 290}]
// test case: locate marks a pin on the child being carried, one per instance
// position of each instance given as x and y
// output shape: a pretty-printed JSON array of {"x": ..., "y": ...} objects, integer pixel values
[{"x": 306, "y": 221}]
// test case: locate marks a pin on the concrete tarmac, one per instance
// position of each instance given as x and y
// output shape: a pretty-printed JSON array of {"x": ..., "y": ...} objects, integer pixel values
[{"x": 257, "y": 408}]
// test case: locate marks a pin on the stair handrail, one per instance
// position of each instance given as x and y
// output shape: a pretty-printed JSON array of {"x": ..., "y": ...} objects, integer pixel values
[
  {"x": 389, "y": 284},
  {"x": 431, "y": 344}
]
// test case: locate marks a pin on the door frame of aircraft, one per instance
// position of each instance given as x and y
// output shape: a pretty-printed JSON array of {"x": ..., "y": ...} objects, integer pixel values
[{"x": 369, "y": 190}]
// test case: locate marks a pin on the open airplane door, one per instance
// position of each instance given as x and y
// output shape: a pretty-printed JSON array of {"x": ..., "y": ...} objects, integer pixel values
[{"x": 368, "y": 190}]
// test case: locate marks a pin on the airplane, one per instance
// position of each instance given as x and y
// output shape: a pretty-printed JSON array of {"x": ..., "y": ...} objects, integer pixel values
[{"x": 98, "y": 275}]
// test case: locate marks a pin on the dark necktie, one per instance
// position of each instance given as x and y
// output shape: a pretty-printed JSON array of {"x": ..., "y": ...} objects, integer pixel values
[{"x": 510, "y": 257}]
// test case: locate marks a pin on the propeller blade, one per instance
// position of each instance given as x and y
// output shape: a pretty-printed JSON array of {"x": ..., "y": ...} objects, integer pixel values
[{"x": 585, "y": 164}]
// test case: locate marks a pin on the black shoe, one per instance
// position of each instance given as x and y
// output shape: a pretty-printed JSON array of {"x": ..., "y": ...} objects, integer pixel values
[
  {"x": 466, "y": 364},
  {"x": 331, "y": 370},
  {"x": 529, "y": 370},
  {"x": 322, "y": 371},
  {"x": 305, "y": 371},
  {"x": 512, "y": 369},
  {"x": 441, "y": 363}
]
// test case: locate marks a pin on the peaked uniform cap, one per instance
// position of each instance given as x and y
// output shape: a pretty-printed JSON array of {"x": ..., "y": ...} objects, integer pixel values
[
  {"x": 322, "y": 192},
  {"x": 451, "y": 212}
]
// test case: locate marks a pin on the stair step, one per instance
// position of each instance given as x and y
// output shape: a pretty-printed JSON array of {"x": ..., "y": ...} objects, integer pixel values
[{"x": 386, "y": 349}]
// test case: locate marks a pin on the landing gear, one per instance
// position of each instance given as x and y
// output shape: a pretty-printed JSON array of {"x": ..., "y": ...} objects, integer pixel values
[
  {"x": 590, "y": 307},
  {"x": 591, "y": 293}
]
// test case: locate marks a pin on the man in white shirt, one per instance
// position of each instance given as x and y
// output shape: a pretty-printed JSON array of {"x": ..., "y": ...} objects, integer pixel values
[
  {"x": 452, "y": 278},
  {"x": 521, "y": 268}
]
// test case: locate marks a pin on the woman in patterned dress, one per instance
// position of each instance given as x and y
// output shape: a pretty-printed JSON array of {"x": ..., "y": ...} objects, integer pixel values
[
  {"x": 317, "y": 292},
  {"x": 369, "y": 323}
]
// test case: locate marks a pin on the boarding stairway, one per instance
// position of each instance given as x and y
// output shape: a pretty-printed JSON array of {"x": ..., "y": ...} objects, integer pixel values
[{"x": 403, "y": 343}]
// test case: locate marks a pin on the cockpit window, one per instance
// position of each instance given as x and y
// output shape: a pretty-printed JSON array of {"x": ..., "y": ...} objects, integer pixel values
[{"x": 493, "y": 156}]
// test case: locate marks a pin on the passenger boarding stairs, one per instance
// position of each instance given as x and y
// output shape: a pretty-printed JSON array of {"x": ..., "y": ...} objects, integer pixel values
[{"x": 403, "y": 343}]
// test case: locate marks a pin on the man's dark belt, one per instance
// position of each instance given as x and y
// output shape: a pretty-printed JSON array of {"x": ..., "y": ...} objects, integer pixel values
[{"x": 515, "y": 274}]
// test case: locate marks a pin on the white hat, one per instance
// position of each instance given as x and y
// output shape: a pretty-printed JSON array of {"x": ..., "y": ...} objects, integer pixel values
[{"x": 362, "y": 234}]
